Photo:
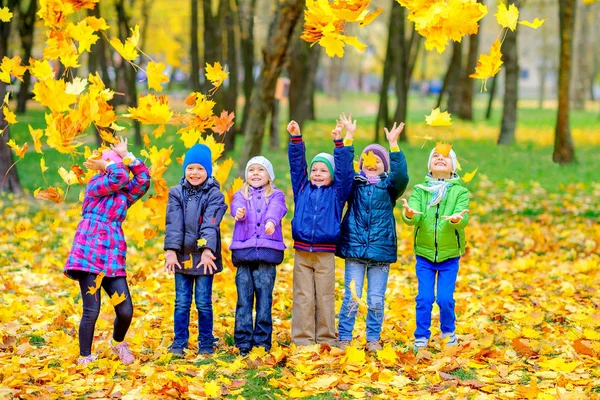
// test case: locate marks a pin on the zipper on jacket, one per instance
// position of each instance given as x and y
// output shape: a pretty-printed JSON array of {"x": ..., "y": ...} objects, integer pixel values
[
  {"x": 312, "y": 234},
  {"x": 437, "y": 214}
]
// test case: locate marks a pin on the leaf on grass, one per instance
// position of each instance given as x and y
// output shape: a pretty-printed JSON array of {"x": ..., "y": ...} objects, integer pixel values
[
  {"x": 521, "y": 348},
  {"x": 528, "y": 392},
  {"x": 583, "y": 348},
  {"x": 97, "y": 282}
]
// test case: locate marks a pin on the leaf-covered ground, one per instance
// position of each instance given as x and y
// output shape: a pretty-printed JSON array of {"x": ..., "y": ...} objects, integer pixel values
[{"x": 527, "y": 306}]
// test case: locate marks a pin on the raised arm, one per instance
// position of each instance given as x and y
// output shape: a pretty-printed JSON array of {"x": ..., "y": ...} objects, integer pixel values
[
  {"x": 297, "y": 157},
  {"x": 137, "y": 187},
  {"x": 115, "y": 178}
]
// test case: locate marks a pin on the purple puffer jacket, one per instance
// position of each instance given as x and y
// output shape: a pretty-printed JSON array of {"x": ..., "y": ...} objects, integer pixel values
[{"x": 250, "y": 231}]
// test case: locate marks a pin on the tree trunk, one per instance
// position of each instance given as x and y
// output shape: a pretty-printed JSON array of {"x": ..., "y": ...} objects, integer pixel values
[
  {"x": 26, "y": 31},
  {"x": 401, "y": 55},
  {"x": 247, "y": 53},
  {"x": 451, "y": 73},
  {"x": 302, "y": 67},
  {"x": 230, "y": 19},
  {"x": 488, "y": 112},
  {"x": 453, "y": 79},
  {"x": 582, "y": 57},
  {"x": 129, "y": 72},
  {"x": 511, "y": 87},
  {"x": 465, "y": 85},
  {"x": 9, "y": 179},
  {"x": 280, "y": 32},
  {"x": 274, "y": 131},
  {"x": 564, "y": 151},
  {"x": 194, "y": 49},
  {"x": 334, "y": 73}
]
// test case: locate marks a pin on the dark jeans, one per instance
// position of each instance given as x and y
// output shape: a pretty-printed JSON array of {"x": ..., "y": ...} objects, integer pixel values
[
  {"x": 254, "y": 281},
  {"x": 91, "y": 309},
  {"x": 201, "y": 286}
]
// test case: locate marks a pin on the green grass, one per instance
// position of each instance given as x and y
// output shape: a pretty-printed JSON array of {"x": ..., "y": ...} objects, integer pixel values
[
  {"x": 37, "y": 340},
  {"x": 464, "y": 374}
]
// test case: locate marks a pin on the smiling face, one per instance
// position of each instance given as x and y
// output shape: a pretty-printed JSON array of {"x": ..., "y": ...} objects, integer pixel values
[
  {"x": 319, "y": 174},
  {"x": 374, "y": 170},
  {"x": 257, "y": 176},
  {"x": 195, "y": 174},
  {"x": 440, "y": 166}
]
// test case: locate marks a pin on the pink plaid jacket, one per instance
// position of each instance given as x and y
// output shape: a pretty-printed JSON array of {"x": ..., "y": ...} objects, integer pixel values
[{"x": 99, "y": 244}]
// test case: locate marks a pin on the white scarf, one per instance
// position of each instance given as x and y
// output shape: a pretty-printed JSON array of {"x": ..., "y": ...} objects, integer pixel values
[{"x": 437, "y": 189}]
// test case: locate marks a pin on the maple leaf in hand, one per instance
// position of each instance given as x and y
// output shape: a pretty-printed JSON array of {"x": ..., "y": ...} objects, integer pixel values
[
  {"x": 223, "y": 123},
  {"x": 437, "y": 118},
  {"x": 215, "y": 74},
  {"x": 443, "y": 148}
]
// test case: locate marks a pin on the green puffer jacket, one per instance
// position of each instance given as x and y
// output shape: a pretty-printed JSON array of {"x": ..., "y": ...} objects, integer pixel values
[{"x": 435, "y": 238}]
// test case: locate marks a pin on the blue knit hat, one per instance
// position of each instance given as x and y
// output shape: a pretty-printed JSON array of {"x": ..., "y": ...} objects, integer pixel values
[{"x": 199, "y": 154}]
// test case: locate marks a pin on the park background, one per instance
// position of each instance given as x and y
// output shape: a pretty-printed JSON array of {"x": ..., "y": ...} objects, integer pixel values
[{"x": 527, "y": 294}]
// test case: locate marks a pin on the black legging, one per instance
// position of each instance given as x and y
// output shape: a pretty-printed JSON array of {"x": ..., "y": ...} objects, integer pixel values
[{"x": 91, "y": 309}]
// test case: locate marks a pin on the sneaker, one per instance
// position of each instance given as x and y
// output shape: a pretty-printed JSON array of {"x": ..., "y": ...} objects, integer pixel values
[
  {"x": 176, "y": 351},
  {"x": 122, "y": 350},
  {"x": 373, "y": 346},
  {"x": 244, "y": 351},
  {"x": 342, "y": 344},
  {"x": 452, "y": 339},
  {"x": 206, "y": 350},
  {"x": 86, "y": 360},
  {"x": 421, "y": 343}
]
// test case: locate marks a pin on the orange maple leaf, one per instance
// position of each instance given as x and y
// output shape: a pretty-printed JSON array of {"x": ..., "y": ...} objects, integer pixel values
[
  {"x": 51, "y": 194},
  {"x": 528, "y": 392},
  {"x": 443, "y": 148},
  {"x": 223, "y": 123},
  {"x": 19, "y": 150},
  {"x": 117, "y": 298},
  {"x": 97, "y": 281}
]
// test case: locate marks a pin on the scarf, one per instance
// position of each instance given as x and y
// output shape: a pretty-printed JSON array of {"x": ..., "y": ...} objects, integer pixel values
[
  {"x": 373, "y": 180},
  {"x": 437, "y": 189}
]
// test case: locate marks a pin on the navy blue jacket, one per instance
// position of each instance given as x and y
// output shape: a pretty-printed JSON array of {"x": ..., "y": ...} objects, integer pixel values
[
  {"x": 192, "y": 214},
  {"x": 318, "y": 210},
  {"x": 369, "y": 227}
]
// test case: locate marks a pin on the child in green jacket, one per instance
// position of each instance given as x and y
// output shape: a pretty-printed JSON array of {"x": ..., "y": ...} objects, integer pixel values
[{"x": 438, "y": 210}]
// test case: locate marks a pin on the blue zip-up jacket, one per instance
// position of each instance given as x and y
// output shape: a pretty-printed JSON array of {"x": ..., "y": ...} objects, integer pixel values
[
  {"x": 369, "y": 227},
  {"x": 318, "y": 210}
]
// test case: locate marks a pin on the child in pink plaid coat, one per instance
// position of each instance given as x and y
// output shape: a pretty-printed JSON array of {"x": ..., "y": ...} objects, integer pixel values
[{"x": 99, "y": 246}]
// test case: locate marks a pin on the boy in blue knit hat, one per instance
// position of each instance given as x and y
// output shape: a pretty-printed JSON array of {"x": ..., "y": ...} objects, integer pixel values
[{"x": 193, "y": 246}]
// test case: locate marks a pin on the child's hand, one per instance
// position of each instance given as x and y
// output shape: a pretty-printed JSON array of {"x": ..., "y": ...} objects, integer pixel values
[
  {"x": 455, "y": 218},
  {"x": 293, "y": 128},
  {"x": 392, "y": 135},
  {"x": 269, "y": 228},
  {"x": 98, "y": 165},
  {"x": 336, "y": 134},
  {"x": 240, "y": 213},
  {"x": 349, "y": 124},
  {"x": 121, "y": 147},
  {"x": 171, "y": 261},
  {"x": 409, "y": 212},
  {"x": 207, "y": 260}
]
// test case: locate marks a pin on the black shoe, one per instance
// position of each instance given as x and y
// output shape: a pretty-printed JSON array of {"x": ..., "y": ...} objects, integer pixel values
[
  {"x": 244, "y": 351},
  {"x": 206, "y": 350},
  {"x": 176, "y": 351}
]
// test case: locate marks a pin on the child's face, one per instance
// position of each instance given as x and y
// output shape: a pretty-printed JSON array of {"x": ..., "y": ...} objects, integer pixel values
[
  {"x": 373, "y": 171},
  {"x": 257, "y": 176},
  {"x": 319, "y": 174},
  {"x": 440, "y": 166},
  {"x": 195, "y": 174}
]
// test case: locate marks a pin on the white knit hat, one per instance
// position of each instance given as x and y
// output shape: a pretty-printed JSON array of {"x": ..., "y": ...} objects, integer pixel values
[
  {"x": 452, "y": 155},
  {"x": 260, "y": 160}
]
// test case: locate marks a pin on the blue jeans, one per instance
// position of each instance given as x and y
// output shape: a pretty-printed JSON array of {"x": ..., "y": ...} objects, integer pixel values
[
  {"x": 377, "y": 276},
  {"x": 254, "y": 281},
  {"x": 184, "y": 285},
  {"x": 446, "y": 272}
]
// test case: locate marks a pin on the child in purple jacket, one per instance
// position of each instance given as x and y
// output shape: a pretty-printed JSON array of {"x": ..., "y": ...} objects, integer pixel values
[
  {"x": 256, "y": 249},
  {"x": 100, "y": 248}
]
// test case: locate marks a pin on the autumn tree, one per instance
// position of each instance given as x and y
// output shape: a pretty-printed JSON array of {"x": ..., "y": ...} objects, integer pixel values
[
  {"x": 564, "y": 151},
  {"x": 246, "y": 13},
  {"x": 194, "y": 48},
  {"x": 280, "y": 32}
]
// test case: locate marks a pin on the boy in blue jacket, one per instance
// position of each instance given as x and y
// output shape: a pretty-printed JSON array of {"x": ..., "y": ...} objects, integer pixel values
[{"x": 319, "y": 197}]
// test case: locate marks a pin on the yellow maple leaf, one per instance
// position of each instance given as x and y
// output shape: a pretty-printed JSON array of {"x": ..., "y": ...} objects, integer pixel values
[
  {"x": 443, "y": 148},
  {"x": 9, "y": 116},
  {"x": 369, "y": 160},
  {"x": 216, "y": 149},
  {"x": 97, "y": 282},
  {"x": 488, "y": 65},
  {"x": 528, "y": 392},
  {"x": 154, "y": 72},
  {"x": 41, "y": 69},
  {"x": 5, "y": 14},
  {"x": 222, "y": 170},
  {"x": 215, "y": 74},
  {"x": 52, "y": 94},
  {"x": 189, "y": 137},
  {"x": 188, "y": 263},
  {"x": 470, "y": 175},
  {"x": 367, "y": 19},
  {"x": 212, "y": 389},
  {"x": 151, "y": 109},
  {"x": 43, "y": 165},
  {"x": 507, "y": 17},
  {"x": 203, "y": 107},
  {"x": 355, "y": 356},
  {"x": 11, "y": 67},
  {"x": 83, "y": 34},
  {"x": 355, "y": 297},
  {"x": 354, "y": 42},
  {"x": 438, "y": 118},
  {"x": 77, "y": 86},
  {"x": 107, "y": 136},
  {"x": 19, "y": 150},
  {"x": 559, "y": 365},
  {"x": 69, "y": 177},
  {"x": 334, "y": 46},
  {"x": 201, "y": 242},
  {"x": 387, "y": 354},
  {"x": 158, "y": 132},
  {"x": 535, "y": 24},
  {"x": 117, "y": 298},
  {"x": 97, "y": 24}
]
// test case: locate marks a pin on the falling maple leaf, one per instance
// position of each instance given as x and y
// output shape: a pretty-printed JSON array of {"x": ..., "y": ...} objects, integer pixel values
[
  {"x": 52, "y": 194},
  {"x": 222, "y": 170},
  {"x": 128, "y": 49},
  {"x": 83, "y": 34},
  {"x": 43, "y": 165},
  {"x": 369, "y": 160},
  {"x": 5, "y": 14},
  {"x": 69, "y": 177},
  {"x": 507, "y": 17},
  {"x": 488, "y": 65},
  {"x": 41, "y": 69},
  {"x": 19, "y": 150},
  {"x": 97, "y": 24},
  {"x": 77, "y": 86},
  {"x": 107, "y": 136},
  {"x": 535, "y": 24},
  {"x": 443, "y": 148},
  {"x": 11, "y": 67},
  {"x": 9, "y": 116},
  {"x": 97, "y": 282},
  {"x": 437, "y": 118},
  {"x": 469, "y": 175},
  {"x": 223, "y": 123},
  {"x": 117, "y": 298},
  {"x": 156, "y": 77},
  {"x": 215, "y": 74}
]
